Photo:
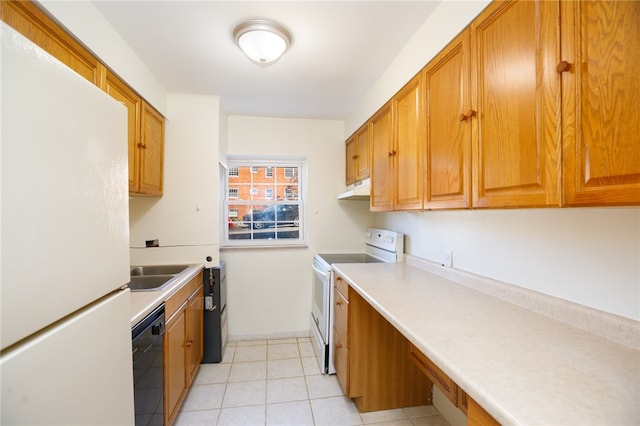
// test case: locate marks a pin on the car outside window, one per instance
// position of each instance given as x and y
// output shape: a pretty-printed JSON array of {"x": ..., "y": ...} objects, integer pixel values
[{"x": 266, "y": 208}]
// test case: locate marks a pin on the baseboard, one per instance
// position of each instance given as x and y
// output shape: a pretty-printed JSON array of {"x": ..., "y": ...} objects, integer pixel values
[{"x": 269, "y": 336}]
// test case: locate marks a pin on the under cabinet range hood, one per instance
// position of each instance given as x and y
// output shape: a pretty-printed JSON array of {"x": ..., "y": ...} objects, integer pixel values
[{"x": 358, "y": 191}]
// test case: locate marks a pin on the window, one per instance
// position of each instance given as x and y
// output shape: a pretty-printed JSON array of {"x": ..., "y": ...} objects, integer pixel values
[
  {"x": 265, "y": 206},
  {"x": 233, "y": 172}
]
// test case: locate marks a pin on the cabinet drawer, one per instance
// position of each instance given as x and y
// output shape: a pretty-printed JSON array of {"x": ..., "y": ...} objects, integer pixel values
[
  {"x": 342, "y": 287},
  {"x": 463, "y": 401},
  {"x": 437, "y": 376},
  {"x": 340, "y": 313},
  {"x": 172, "y": 304}
]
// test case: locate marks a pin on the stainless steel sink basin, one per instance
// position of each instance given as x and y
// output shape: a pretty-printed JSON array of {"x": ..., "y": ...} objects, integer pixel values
[
  {"x": 157, "y": 270},
  {"x": 149, "y": 282}
]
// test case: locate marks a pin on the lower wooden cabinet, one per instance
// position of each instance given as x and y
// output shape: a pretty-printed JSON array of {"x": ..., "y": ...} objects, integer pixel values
[
  {"x": 373, "y": 367},
  {"x": 477, "y": 416},
  {"x": 341, "y": 336},
  {"x": 175, "y": 364},
  {"x": 435, "y": 375},
  {"x": 182, "y": 345}
]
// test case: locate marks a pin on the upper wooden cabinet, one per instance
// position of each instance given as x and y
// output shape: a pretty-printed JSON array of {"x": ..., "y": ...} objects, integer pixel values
[
  {"x": 601, "y": 102},
  {"x": 397, "y": 140},
  {"x": 123, "y": 94},
  {"x": 145, "y": 125},
  {"x": 408, "y": 142},
  {"x": 515, "y": 92},
  {"x": 26, "y": 18},
  {"x": 151, "y": 152},
  {"x": 382, "y": 159},
  {"x": 145, "y": 134},
  {"x": 357, "y": 155},
  {"x": 447, "y": 171}
]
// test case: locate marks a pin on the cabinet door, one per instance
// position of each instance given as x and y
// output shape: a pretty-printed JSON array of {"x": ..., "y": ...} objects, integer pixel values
[
  {"x": 175, "y": 363},
  {"x": 123, "y": 94},
  {"x": 409, "y": 141},
  {"x": 601, "y": 100},
  {"x": 33, "y": 23},
  {"x": 516, "y": 93},
  {"x": 383, "y": 157},
  {"x": 362, "y": 152},
  {"x": 340, "y": 339},
  {"x": 152, "y": 152},
  {"x": 194, "y": 341},
  {"x": 447, "y": 181},
  {"x": 350, "y": 160}
]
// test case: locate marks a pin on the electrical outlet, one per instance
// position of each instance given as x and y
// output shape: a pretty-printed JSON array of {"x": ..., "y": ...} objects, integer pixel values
[{"x": 448, "y": 259}]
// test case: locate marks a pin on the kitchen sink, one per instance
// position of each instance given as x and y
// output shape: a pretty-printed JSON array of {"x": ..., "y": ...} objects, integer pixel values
[
  {"x": 157, "y": 270},
  {"x": 149, "y": 282}
]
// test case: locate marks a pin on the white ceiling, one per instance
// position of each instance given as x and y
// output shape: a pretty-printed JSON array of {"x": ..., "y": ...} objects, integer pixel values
[{"x": 339, "y": 50}]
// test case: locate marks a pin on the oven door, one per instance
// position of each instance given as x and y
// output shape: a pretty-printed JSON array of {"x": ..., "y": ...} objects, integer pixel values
[
  {"x": 321, "y": 299},
  {"x": 320, "y": 315}
]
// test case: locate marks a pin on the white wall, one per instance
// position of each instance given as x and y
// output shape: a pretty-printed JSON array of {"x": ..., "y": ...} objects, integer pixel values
[
  {"x": 269, "y": 290},
  {"x": 186, "y": 218},
  {"x": 590, "y": 256},
  {"x": 84, "y": 21}
]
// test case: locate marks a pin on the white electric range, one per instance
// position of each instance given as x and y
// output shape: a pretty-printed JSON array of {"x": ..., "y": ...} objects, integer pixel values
[{"x": 381, "y": 245}]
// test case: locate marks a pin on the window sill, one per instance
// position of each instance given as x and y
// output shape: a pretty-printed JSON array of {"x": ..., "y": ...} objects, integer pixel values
[{"x": 261, "y": 246}]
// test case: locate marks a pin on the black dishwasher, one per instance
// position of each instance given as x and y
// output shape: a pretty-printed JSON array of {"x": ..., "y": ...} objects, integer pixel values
[
  {"x": 146, "y": 342},
  {"x": 215, "y": 313}
]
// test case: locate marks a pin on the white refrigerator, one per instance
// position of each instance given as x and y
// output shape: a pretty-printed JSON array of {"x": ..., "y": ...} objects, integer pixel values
[{"x": 65, "y": 333}]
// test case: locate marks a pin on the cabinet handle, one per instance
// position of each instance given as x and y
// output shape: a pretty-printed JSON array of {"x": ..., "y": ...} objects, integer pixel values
[
  {"x": 189, "y": 342},
  {"x": 355, "y": 157},
  {"x": 338, "y": 279},
  {"x": 339, "y": 303},
  {"x": 468, "y": 115},
  {"x": 140, "y": 145},
  {"x": 563, "y": 66},
  {"x": 392, "y": 153},
  {"x": 339, "y": 346}
]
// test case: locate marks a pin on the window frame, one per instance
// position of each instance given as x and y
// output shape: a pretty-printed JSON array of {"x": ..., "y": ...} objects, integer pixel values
[{"x": 254, "y": 162}]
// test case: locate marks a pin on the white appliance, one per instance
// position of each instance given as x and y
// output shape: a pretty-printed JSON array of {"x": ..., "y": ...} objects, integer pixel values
[
  {"x": 65, "y": 320},
  {"x": 381, "y": 245}
]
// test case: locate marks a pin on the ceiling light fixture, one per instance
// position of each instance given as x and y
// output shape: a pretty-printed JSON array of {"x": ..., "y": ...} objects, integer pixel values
[{"x": 263, "y": 41}]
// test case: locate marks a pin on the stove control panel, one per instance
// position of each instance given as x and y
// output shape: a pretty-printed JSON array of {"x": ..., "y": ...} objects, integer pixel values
[{"x": 385, "y": 239}]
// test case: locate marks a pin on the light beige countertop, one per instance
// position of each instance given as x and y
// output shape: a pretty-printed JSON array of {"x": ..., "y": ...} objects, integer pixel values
[
  {"x": 520, "y": 366},
  {"x": 143, "y": 302}
]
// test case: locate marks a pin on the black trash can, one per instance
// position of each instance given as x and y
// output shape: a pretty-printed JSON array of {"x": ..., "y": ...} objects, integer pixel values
[{"x": 215, "y": 313}]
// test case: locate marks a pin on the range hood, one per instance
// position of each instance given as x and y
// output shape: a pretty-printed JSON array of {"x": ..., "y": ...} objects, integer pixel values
[{"x": 358, "y": 191}]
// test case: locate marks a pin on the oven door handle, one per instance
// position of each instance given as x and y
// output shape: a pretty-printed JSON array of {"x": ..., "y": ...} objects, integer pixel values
[{"x": 325, "y": 274}]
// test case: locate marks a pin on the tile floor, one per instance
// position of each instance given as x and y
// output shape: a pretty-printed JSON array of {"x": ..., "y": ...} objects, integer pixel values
[{"x": 277, "y": 382}]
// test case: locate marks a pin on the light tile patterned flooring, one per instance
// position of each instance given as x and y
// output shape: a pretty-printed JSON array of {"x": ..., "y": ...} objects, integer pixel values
[{"x": 278, "y": 382}]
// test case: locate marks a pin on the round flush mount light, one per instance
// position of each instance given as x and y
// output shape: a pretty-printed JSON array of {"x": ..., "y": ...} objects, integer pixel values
[{"x": 263, "y": 41}]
